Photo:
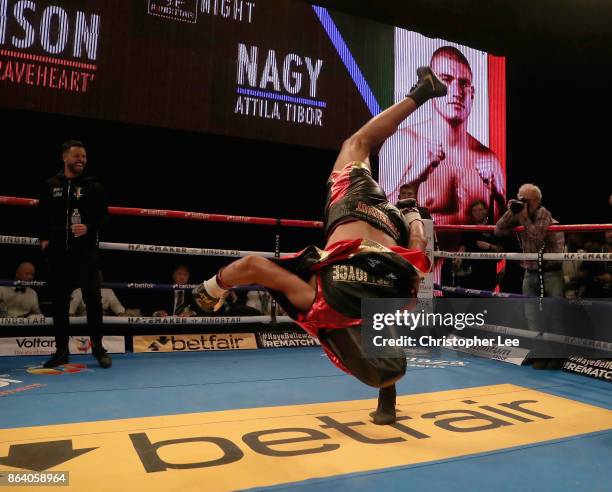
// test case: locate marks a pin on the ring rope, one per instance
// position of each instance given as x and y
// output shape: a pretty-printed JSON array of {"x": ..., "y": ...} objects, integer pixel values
[
  {"x": 312, "y": 224},
  {"x": 234, "y": 253},
  {"x": 39, "y": 320}
]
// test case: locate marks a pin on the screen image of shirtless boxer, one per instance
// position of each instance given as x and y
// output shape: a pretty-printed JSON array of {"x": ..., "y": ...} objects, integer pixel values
[{"x": 445, "y": 151}]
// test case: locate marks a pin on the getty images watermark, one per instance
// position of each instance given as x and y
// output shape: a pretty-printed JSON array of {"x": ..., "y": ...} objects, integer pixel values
[
  {"x": 549, "y": 327},
  {"x": 391, "y": 325}
]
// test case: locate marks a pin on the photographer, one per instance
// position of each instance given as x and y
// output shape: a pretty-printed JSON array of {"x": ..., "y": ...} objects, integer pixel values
[{"x": 527, "y": 211}]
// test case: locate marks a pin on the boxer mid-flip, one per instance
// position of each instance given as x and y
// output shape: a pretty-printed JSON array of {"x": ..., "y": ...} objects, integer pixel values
[{"x": 373, "y": 250}]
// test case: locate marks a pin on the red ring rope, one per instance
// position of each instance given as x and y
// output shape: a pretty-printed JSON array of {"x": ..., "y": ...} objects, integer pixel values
[
  {"x": 176, "y": 214},
  {"x": 311, "y": 224}
]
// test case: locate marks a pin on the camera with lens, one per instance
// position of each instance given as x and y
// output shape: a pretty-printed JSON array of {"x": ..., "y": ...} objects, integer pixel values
[{"x": 517, "y": 206}]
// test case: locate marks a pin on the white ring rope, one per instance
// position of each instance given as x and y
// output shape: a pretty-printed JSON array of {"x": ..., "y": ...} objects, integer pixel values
[
  {"x": 548, "y": 337},
  {"x": 149, "y": 248},
  {"x": 148, "y": 320},
  {"x": 235, "y": 253},
  {"x": 524, "y": 256}
]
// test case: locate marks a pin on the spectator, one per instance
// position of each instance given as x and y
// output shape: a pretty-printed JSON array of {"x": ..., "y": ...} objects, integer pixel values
[
  {"x": 571, "y": 269},
  {"x": 239, "y": 304},
  {"x": 180, "y": 302},
  {"x": 482, "y": 273},
  {"x": 20, "y": 301},
  {"x": 596, "y": 276},
  {"x": 110, "y": 304}
]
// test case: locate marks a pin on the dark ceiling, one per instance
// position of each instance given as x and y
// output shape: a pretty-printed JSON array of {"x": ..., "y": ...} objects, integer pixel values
[{"x": 502, "y": 27}]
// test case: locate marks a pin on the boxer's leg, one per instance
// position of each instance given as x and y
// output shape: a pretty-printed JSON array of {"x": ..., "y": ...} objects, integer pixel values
[
  {"x": 385, "y": 411},
  {"x": 255, "y": 270},
  {"x": 374, "y": 133},
  {"x": 381, "y": 371}
]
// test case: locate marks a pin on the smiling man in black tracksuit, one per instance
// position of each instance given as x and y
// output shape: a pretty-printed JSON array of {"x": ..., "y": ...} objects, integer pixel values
[{"x": 72, "y": 211}]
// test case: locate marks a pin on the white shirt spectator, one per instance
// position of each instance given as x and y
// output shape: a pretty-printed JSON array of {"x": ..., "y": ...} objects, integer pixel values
[
  {"x": 110, "y": 303},
  {"x": 260, "y": 300},
  {"x": 19, "y": 302}
]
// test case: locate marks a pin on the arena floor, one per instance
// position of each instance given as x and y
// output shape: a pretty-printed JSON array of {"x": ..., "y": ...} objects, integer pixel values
[{"x": 288, "y": 419}]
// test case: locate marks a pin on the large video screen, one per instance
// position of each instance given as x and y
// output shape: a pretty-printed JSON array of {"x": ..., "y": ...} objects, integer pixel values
[
  {"x": 276, "y": 70},
  {"x": 451, "y": 152}
]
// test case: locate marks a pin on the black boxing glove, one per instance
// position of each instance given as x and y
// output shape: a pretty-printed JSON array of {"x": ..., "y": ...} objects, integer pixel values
[
  {"x": 410, "y": 212},
  {"x": 406, "y": 203},
  {"x": 516, "y": 206},
  {"x": 427, "y": 86}
]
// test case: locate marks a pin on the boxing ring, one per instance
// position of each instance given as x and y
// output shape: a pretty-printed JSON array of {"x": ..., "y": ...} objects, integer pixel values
[{"x": 284, "y": 417}]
